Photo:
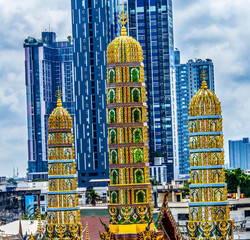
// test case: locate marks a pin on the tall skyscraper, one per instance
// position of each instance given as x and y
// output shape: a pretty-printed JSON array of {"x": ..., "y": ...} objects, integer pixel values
[
  {"x": 151, "y": 23},
  {"x": 93, "y": 25},
  {"x": 188, "y": 82},
  {"x": 48, "y": 65},
  {"x": 239, "y": 153}
]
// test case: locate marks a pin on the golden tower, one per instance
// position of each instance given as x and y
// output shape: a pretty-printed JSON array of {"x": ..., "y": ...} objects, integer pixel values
[
  {"x": 208, "y": 208},
  {"x": 63, "y": 219},
  {"x": 130, "y": 201}
]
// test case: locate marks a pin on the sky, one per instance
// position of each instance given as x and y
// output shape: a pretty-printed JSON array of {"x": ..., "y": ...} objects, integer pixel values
[{"x": 219, "y": 30}]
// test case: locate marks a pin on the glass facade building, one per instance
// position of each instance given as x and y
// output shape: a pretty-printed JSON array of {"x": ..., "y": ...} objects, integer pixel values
[
  {"x": 48, "y": 66},
  {"x": 239, "y": 153},
  {"x": 151, "y": 23},
  {"x": 93, "y": 26},
  {"x": 188, "y": 82}
]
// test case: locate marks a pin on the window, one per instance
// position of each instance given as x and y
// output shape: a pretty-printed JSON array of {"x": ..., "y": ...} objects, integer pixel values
[{"x": 93, "y": 174}]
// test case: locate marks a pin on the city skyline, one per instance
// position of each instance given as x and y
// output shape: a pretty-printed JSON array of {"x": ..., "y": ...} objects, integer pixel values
[{"x": 202, "y": 30}]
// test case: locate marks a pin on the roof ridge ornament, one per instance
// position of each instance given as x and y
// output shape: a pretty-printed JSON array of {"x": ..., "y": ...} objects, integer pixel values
[
  {"x": 123, "y": 20},
  {"x": 58, "y": 96},
  {"x": 203, "y": 77}
]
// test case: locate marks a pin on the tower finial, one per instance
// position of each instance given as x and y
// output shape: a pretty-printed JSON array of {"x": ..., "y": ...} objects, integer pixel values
[
  {"x": 123, "y": 19},
  {"x": 59, "y": 95},
  {"x": 203, "y": 77},
  {"x": 39, "y": 224},
  {"x": 87, "y": 232}
]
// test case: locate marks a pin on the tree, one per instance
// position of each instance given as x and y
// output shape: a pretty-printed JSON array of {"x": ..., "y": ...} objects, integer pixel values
[
  {"x": 185, "y": 191},
  {"x": 93, "y": 197},
  {"x": 12, "y": 181},
  {"x": 30, "y": 214},
  {"x": 154, "y": 182},
  {"x": 237, "y": 178}
]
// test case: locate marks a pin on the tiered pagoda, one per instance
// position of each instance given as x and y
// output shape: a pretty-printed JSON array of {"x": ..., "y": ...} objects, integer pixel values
[
  {"x": 208, "y": 208},
  {"x": 130, "y": 202},
  {"x": 63, "y": 219}
]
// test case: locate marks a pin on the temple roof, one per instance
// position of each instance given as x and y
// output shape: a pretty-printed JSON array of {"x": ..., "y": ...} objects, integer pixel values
[
  {"x": 204, "y": 102},
  {"x": 60, "y": 118},
  {"x": 124, "y": 48}
]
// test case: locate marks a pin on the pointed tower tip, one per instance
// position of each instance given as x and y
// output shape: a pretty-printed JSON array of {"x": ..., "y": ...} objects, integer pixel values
[
  {"x": 204, "y": 84},
  {"x": 123, "y": 19},
  {"x": 59, "y": 95},
  {"x": 59, "y": 102},
  {"x": 203, "y": 76}
]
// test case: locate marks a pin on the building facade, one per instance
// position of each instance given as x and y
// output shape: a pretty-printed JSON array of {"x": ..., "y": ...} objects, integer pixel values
[
  {"x": 48, "y": 66},
  {"x": 188, "y": 82},
  {"x": 239, "y": 153},
  {"x": 151, "y": 23},
  {"x": 209, "y": 215},
  {"x": 93, "y": 25}
]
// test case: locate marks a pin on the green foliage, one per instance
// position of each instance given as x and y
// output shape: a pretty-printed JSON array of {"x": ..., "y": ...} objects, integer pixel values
[
  {"x": 187, "y": 183},
  {"x": 154, "y": 182},
  {"x": 93, "y": 197},
  {"x": 12, "y": 181},
  {"x": 185, "y": 192},
  {"x": 28, "y": 215},
  {"x": 69, "y": 39},
  {"x": 39, "y": 180},
  {"x": 237, "y": 178}
]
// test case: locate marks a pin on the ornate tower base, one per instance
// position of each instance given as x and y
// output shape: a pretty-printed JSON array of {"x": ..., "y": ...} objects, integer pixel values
[
  {"x": 147, "y": 234},
  {"x": 210, "y": 230}
]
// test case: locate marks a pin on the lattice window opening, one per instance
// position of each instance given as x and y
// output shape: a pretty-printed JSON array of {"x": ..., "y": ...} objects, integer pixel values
[
  {"x": 112, "y": 116},
  {"x": 136, "y": 114}
]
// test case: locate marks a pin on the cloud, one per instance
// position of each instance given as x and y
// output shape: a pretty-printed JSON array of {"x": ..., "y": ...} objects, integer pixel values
[
  {"x": 18, "y": 21},
  {"x": 203, "y": 29},
  {"x": 220, "y": 30}
]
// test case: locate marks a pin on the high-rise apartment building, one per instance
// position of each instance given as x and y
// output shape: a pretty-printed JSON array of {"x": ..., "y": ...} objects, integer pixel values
[
  {"x": 48, "y": 66},
  {"x": 93, "y": 25},
  {"x": 239, "y": 153},
  {"x": 151, "y": 23},
  {"x": 188, "y": 82}
]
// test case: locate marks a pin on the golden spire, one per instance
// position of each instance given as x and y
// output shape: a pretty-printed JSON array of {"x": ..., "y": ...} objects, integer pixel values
[
  {"x": 31, "y": 237},
  {"x": 59, "y": 95},
  {"x": 87, "y": 231},
  {"x": 39, "y": 224},
  {"x": 123, "y": 19},
  {"x": 203, "y": 76}
]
